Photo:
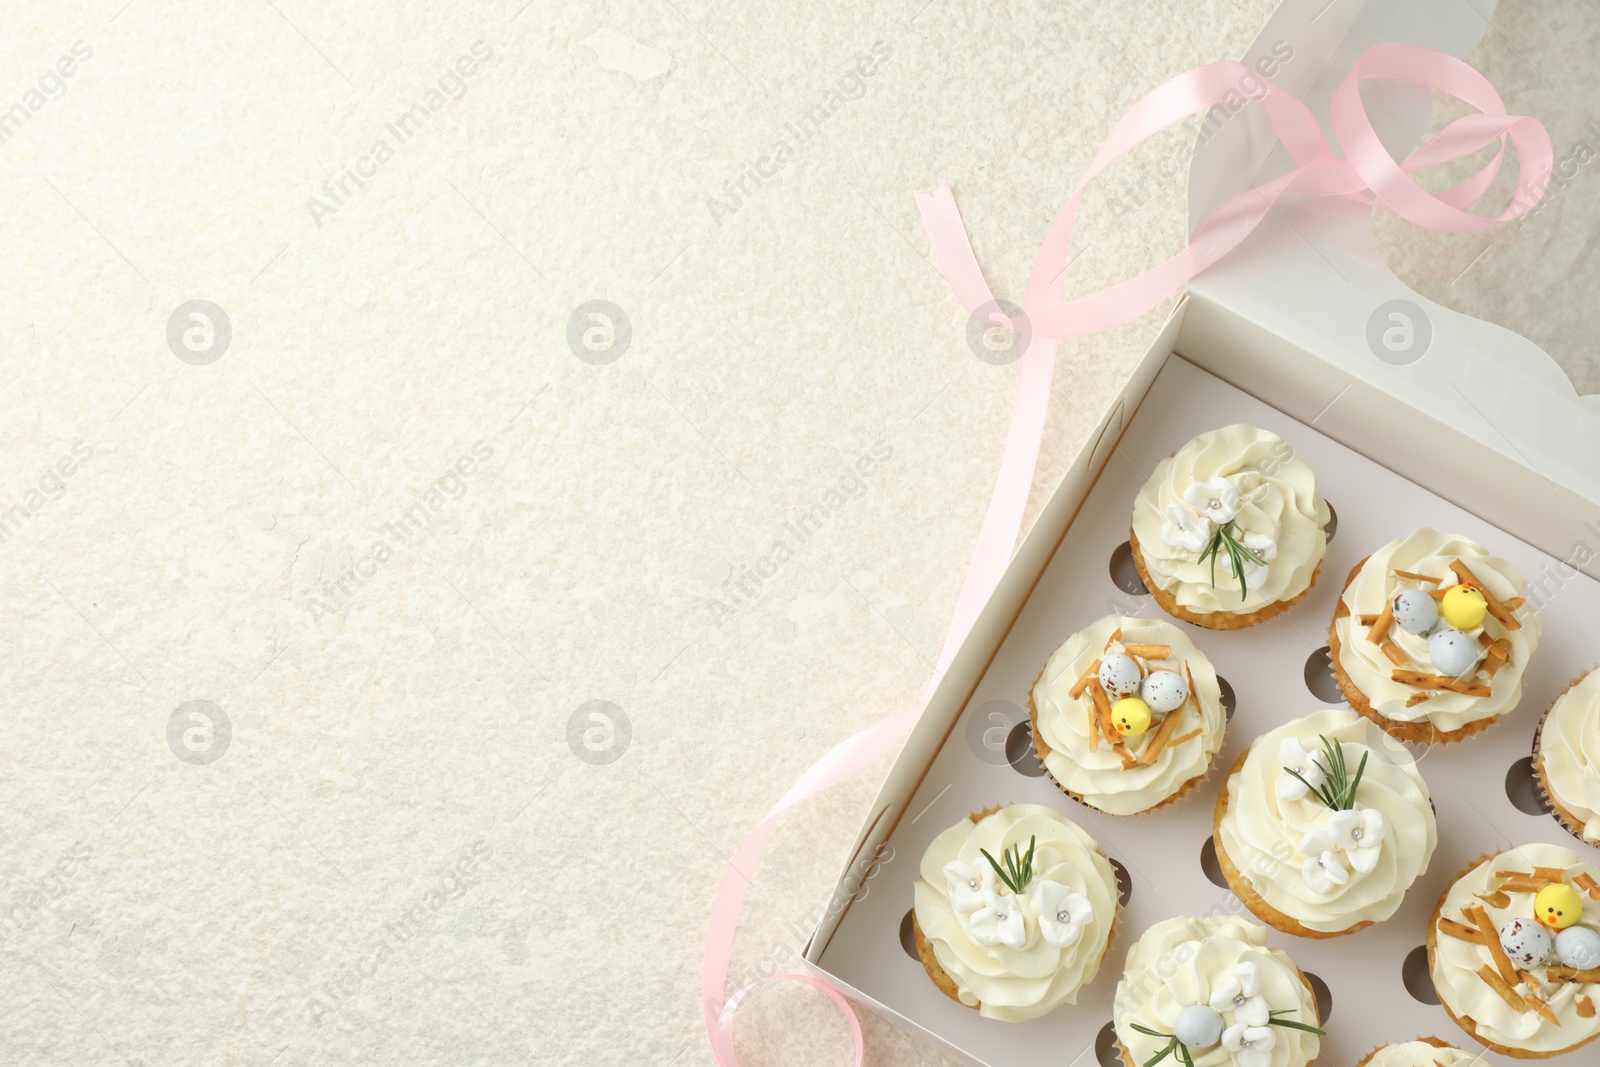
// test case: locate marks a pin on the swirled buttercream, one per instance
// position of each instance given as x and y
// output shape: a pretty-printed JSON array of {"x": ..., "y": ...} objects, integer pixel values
[
  {"x": 1429, "y": 552},
  {"x": 1458, "y": 964},
  {"x": 1096, "y": 771},
  {"x": 1328, "y": 870},
  {"x": 1569, "y": 751},
  {"x": 1188, "y": 962},
  {"x": 1025, "y": 971},
  {"x": 1250, "y": 481}
]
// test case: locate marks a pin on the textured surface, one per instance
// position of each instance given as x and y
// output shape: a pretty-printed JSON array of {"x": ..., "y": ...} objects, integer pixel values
[{"x": 398, "y": 535}]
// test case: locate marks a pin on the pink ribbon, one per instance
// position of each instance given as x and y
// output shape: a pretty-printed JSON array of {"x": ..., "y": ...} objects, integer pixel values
[{"x": 1366, "y": 173}]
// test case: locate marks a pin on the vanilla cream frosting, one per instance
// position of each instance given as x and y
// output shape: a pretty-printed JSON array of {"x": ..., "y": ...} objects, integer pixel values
[
  {"x": 1265, "y": 834},
  {"x": 1065, "y": 721},
  {"x": 1569, "y": 746},
  {"x": 1184, "y": 962},
  {"x": 1241, "y": 475},
  {"x": 1456, "y": 962},
  {"x": 1423, "y": 1054},
  {"x": 1429, "y": 552},
  {"x": 1028, "y": 979}
]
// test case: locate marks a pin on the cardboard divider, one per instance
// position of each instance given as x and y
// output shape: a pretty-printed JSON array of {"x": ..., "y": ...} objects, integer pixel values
[{"x": 1060, "y": 580}]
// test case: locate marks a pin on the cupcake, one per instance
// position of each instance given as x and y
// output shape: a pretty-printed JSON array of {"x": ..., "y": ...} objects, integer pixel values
[
  {"x": 1431, "y": 637},
  {"x": 1423, "y": 1052},
  {"x": 1209, "y": 991},
  {"x": 1569, "y": 768},
  {"x": 1514, "y": 951},
  {"x": 1127, "y": 715},
  {"x": 1323, "y": 825},
  {"x": 1230, "y": 530},
  {"x": 1014, "y": 911}
]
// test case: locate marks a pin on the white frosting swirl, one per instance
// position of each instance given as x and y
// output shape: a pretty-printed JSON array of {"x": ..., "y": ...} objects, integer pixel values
[
  {"x": 1262, "y": 833},
  {"x": 1456, "y": 962},
  {"x": 1422, "y": 1054},
  {"x": 1183, "y": 962},
  {"x": 1277, "y": 502},
  {"x": 1569, "y": 747},
  {"x": 1024, "y": 982},
  {"x": 1427, "y": 551},
  {"x": 1065, "y": 721}
]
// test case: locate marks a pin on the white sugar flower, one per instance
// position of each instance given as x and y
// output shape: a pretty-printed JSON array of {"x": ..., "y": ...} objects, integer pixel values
[
  {"x": 1359, "y": 834},
  {"x": 1216, "y": 499},
  {"x": 1262, "y": 545},
  {"x": 1323, "y": 870},
  {"x": 1186, "y": 530},
  {"x": 1292, "y": 756},
  {"x": 1251, "y": 1045},
  {"x": 1062, "y": 913},
  {"x": 1239, "y": 990},
  {"x": 967, "y": 885},
  {"x": 998, "y": 922}
]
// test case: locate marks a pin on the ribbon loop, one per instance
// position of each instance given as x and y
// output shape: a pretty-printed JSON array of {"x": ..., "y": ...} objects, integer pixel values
[{"x": 1366, "y": 174}]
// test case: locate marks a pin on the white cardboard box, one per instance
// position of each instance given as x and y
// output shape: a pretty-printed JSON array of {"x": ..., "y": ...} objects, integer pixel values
[{"x": 1275, "y": 335}]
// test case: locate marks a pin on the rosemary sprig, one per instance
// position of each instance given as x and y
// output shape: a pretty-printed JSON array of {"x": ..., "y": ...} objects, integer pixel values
[
  {"x": 1018, "y": 869},
  {"x": 1173, "y": 1046},
  {"x": 1338, "y": 789},
  {"x": 1225, "y": 538},
  {"x": 1289, "y": 1024}
]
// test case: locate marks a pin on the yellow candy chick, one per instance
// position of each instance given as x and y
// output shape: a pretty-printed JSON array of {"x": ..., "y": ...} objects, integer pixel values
[
  {"x": 1130, "y": 716},
  {"x": 1463, "y": 607},
  {"x": 1558, "y": 906}
]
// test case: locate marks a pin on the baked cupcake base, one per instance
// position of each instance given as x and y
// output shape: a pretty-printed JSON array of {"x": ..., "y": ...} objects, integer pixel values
[
  {"x": 1241, "y": 886},
  {"x": 1568, "y": 820},
  {"x": 1127, "y": 1057},
  {"x": 1420, "y": 733},
  {"x": 1434, "y": 1041},
  {"x": 1464, "y": 1022},
  {"x": 1215, "y": 620},
  {"x": 941, "y": 978}
]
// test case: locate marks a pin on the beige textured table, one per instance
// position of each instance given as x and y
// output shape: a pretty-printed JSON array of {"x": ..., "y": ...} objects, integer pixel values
[{"x": 308, "y": 587}]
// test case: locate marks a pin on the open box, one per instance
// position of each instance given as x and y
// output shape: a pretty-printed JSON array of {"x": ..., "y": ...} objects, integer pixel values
[{"x": 1475, "y": 438}]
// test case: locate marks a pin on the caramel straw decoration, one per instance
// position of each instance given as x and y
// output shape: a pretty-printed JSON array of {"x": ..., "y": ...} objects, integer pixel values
[
  {"x": 1587, "y": 883},
  {"x": 1507, "y": 994},
  {"x": 1585, "y": 1007},
  {"x": 1415, "y": 577},
  {"x": 1156, "y": 652},
  {"x": 1497, "y": 609},
  {"x": 1380, "y": 628},
  {"x": 1541, "y": 1007},
  {"x": 1113, "y": 639},
  {"x": 1459, "y": 931},
  {"x": 1190, "y": 736},
  {"x": 1491, "y": 941},
  {"x": 1367, "y": 620},
  {"x": 1083, "y": 683},
  {"x": 1097, "y": 706},
  {"x": 1396, "y": 656},
  {"x": 1496, "y": 899},
  {"x": 1573, "y": 975},
  {"x": 1416, "y": 698},
  {"x": 1550, "y": 874},
  {"x": 1420, "y": 680}
]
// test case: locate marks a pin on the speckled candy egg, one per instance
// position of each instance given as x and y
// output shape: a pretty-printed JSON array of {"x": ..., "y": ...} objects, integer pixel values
[
  {"x": 1578, "y": 947},
  {"x": 1198, "y": 1027},
  {"x": 1526, "y": 942},
  {"x": 1453, "y": 652},
  {"x": 1119, "y": 674},
  {"x": 1164, "y": 691},
  {"x": 1415, "y": 612}
]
